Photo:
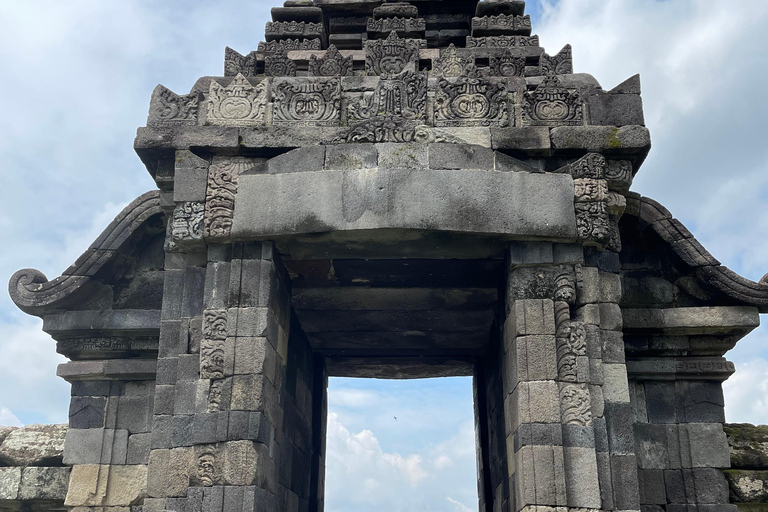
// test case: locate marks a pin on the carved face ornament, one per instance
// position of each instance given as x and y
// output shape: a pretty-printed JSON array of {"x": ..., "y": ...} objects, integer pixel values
[{"x": 205, "y": 468}]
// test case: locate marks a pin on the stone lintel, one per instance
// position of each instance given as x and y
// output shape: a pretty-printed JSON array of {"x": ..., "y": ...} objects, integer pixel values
[
  {"x": 692, "y": 320},
  {"x": 680, "y": 368},
  {"x": 398, "y": 367},
  {"x": 521, "y": 204},
  {"x": 108, "y": 369},
  {"x": 114, "y": 322}
]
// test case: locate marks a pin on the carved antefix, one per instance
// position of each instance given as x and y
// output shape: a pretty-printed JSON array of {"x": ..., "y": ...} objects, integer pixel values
[
  {"x": 560, "y": 64},
  {"x": 220, "y": 194},
  {"x": 402, "y": 96},
  {"x": 619, "y": 175},
  {"x": 186, "y": 225},
  {"x": 238, "y": 104},
  {"x": 331, "y": 64},
  {"x": 236, "y": 64},
  {"x": 391, "y": 56},
  {"x": 471, "y": 100},
  {"x": 168, "y": 108},
  {"x": 551, "y": 104},
  {"x": 312, "y": 102},
  {"x": 506, "y": 65},
  {"x": 278, "y": 64},
  {"x": 212, "y": 359},
  {"x": 453, "y": 63}
]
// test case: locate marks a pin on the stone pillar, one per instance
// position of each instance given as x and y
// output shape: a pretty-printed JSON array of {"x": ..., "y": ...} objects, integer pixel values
[
  {"x": 107, "y": 443},
  {"x": 568, "y": 431},
  {"x": 235, "y": 418}
]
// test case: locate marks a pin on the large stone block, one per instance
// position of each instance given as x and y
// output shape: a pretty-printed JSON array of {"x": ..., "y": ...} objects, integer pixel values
[
  {"x": 748, "y": 445},
  {"x": 10, "y": 480},
  {"x": 33, "y": 445},
  {"x": 626, "y": 140},
  {"x": 582, "y": 484},
  {"x": 93, "y": 485},
  {"x": 460, "y": 156},
  {"x": 615, "y": 109},
  {"x": 500, "y": 203},
  {"x": 44, "y": 483},
  {"x": 169, "y": 471},
  {"x": 709, "y": 446}
]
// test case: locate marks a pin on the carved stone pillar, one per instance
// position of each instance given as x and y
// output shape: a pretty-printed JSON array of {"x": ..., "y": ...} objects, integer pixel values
[{"x": 566, "y": 409}]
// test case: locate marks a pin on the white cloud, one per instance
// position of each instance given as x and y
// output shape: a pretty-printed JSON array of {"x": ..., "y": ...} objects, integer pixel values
[
  {"x": 412, "y": 463},
  {"x": 354, "y": 398},
  {"x": 29, "y": 386},
  {"x": 747, "y": 393},
  {"x": 359, "y": 460},
  {"x": 459, "y": 506},
  {"x": 8, "y": 419}
]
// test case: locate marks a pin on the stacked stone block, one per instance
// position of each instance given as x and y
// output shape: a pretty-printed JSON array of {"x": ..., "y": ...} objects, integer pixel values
[
  {"x": 235, "y": 408},
  {"x": 568, "y": 427}
]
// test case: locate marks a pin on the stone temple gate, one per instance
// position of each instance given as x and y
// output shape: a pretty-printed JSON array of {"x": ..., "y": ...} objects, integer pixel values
[{"x": 395, "y": 190}]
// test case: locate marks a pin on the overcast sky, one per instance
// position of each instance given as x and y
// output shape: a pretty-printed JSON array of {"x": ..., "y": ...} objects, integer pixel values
[{"x": 75, "y": 82}]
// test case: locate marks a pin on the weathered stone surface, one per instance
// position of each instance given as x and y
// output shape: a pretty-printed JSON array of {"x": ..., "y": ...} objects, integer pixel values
[
  {"x": 44, "y": 483},
  {"x": 4, "y": 431},
  {"x": 93, "y": 485},
  {"x": 624, "y": 140},
  {"x": 748, "y": 445},
  {"x": 747, "y": 486},
  {"x": 10, "y": 480},
  {"x": 34, "y": 445},
  {"x": 502, "y": 203}
]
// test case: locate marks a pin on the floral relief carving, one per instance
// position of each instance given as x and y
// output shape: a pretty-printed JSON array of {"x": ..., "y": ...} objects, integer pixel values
[
  {"x": 506, "y": 64},
  {"x": 575, "y": 405},
  {"x": 212, "y": 358},
  {"x": 186, "y": 226},
  {"x": 471, "y": 100},
  {"x": 168, "y": 108},
  {"x": 307, "y": 101},
  {"x": 402, "y": 96},
  {"x": 238, "y": 104},
  {"x": 278, "y": 64},
  {"x": 236, "y": 64},
  {"x": 560, "y": 64},
  {"x": 551, "y": 104}
]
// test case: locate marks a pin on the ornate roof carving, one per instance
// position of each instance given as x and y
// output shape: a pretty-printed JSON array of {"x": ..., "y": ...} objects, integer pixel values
[
  {"x": 33, "y": 293},
  {"x": 706, "y": 267}
]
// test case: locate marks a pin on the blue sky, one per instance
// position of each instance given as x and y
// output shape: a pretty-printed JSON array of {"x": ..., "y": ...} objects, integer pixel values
[{"x": 75, "y": 82}]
